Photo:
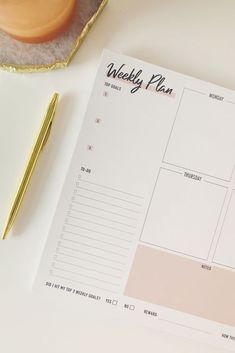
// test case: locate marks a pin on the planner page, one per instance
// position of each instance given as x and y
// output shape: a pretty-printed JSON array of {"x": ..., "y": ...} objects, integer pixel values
[{"x": 145, "y": 225}]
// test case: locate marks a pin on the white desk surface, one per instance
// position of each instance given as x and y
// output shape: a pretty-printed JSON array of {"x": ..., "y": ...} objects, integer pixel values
[{"x": 193, "y": 37}]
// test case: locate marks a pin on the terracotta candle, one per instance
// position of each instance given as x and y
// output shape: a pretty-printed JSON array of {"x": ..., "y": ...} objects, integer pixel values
[{"x": 35, "y": 21}]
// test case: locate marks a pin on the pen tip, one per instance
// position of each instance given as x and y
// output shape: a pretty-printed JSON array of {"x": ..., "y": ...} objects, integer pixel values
[{"x": 4, "y": 235}]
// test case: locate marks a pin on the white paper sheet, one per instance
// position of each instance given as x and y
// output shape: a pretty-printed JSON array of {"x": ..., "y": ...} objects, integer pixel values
[{"x": 145, "y": 222}]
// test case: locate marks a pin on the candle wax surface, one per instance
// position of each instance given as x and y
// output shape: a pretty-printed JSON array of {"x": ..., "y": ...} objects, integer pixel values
[{"x": 35, "y": 20}]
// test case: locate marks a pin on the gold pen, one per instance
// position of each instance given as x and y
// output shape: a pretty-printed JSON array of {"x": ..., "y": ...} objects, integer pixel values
[{"x": 37, "y": 148}]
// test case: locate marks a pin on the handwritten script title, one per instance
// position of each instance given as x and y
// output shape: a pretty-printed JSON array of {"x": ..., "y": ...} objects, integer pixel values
[{"x": 156, "y": 81}]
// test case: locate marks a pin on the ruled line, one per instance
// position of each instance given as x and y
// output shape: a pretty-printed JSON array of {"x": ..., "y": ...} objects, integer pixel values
[
  {"x": 103, "y": 210},
  {"x": 90, "y": 261},
  {"x": 211, "y": 182},
  {"x": 182, "y": 325},
  {"x": 98, "y": 224},
  {"x": 98, "y": 240},
  {"x": 95, "y": 247},
  {"x": 87, "y": 268},
  {"x": 90, "y": 277},
  {"x": 105, "y": 219},
  {"x": 231, "y": 102},
  {"x": 96, "y": 231},
  {"x": 83, "y": 283},
  {"x": 90, "y": 254},
  {"x": 173, "y": 171},
  {"x": 106, "y": 203},
  {"x": 110, "y": 196},
  {"x": 109, "y": 188}
]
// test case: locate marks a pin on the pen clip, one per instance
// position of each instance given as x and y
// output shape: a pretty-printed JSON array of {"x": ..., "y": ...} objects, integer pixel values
[{"x": 50, "y": 113}]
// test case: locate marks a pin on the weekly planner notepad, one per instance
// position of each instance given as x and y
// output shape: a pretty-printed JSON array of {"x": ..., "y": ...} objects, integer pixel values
[{"x": 145, "y": 224}]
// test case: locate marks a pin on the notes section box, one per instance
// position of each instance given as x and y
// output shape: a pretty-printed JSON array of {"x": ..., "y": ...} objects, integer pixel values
[
  {"x": 183, "y": 214},
  {"x": 181, "y": 284},
  {"x": 202, "y": 138},
  {"x": 224, "y": 254}
]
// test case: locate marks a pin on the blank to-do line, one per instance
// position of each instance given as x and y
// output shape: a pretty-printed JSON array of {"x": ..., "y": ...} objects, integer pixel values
[
  {"x": 89, "y": 261},
  {"x": 97, "y": 232},
  {"x": 90, "y": 254},
  {"x": 86, "y": 276},
  {"x": 110, "y": 196},
  {"x": 94, "y": 247},
  {"x": 97, "y": 224},
  {"x": 106, "y": 203},
  {"x": 109, "y": 188},
  {"x": 98, "y": 240},
  {"x": 103, "y": 210},
  {"x": 83, "y": 283},
  {"x": 104, "y": 218},
  {"x": 87, "y": 268}
]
